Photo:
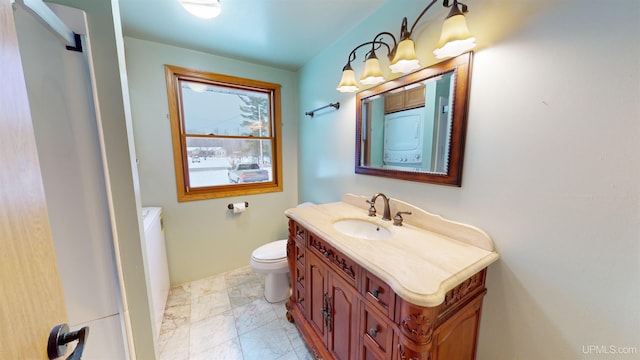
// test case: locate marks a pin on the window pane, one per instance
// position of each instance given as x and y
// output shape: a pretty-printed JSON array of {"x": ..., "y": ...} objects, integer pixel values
[
  {"x": 219, "y": 122},
  {"x": 225, "y": 111},
  {"x": 215, "y": 161}
]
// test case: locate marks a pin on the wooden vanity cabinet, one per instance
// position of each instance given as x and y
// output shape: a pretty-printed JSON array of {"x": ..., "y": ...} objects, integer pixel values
[
  {"x": 333, "y": 304},
  {"x": 345, "y": 312},
  {"x": 296, "y": 256}
]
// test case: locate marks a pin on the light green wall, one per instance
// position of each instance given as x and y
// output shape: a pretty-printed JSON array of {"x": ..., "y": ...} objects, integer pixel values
[
  {"x": 203, "y": 238},
  {"x": 552, "y": 165}
]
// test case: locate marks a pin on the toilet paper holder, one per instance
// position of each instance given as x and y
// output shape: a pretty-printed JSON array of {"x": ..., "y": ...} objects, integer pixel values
[{"x": 230, "y": 206}]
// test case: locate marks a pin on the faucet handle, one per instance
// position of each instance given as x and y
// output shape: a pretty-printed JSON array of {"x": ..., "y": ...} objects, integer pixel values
[
  {"x": 372, "y": 208},
  {"x": 397, "y": 220}
]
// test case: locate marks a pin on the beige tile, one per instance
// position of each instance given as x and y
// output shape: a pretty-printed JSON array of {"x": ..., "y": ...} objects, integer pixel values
[
  {"x": 209, "y": 305},
  {"x": 174, "y": 344},
  {"x": 229, "y": 350},
  {"x": 175, "y": 317},
  {"x": 208, "y": 333},
  {"x": 291, "y": 355},
  {"x": 253, "y": 315},
  {"x": 207, "y": 286},
  {"x": 244, "y": 276},
  {"x": 303, "y": 353},
  {"x": 179, "y": 295},
  {"x": 280, "y": 309},
  {"x": 245, "y": 294},
  {"x": 227, "y": 317},
  {"x": 268, "y": 342}
]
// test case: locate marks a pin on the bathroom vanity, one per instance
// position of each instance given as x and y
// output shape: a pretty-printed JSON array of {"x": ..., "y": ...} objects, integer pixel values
[{"x": 363, "y": 288}]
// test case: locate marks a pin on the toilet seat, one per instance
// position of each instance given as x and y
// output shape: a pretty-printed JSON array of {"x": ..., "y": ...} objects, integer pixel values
[{"x": 275, "y": 251}]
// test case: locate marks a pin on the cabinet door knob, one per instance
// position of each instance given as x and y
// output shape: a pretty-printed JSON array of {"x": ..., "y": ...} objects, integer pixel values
[
  {"x": 299, "y": 256},
  {"x": 375, "y": 293},
  {"x": 300, "y": 278},
  {"x": 300, "y": 300},
  {"x": 373, "y": 332}
]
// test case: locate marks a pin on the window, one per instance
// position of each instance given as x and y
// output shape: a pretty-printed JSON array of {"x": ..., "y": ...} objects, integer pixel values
[{"x": 226, "y": 134}]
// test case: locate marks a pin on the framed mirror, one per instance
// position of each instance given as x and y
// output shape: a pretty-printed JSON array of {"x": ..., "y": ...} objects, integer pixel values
[{"x": 413, "y": 127}]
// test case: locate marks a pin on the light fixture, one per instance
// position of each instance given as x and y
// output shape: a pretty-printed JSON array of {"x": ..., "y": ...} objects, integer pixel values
[
  {"x": 454, "y": 40},
  {"x": 348, "y": 81},
  {"x": 205, "y": 9},
  {"x": 372, "y": 73}
]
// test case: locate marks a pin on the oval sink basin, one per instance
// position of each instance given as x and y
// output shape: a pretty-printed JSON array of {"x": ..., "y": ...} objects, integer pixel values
[{"x": 362, "y": 229}]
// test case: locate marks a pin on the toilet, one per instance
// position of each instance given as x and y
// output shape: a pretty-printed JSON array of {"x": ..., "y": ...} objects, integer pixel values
[{"x": 271, "y": 259}]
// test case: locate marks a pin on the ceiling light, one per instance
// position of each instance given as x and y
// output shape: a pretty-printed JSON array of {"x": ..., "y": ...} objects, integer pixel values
[
  {"x": 454, "y": 40},
  {"x": 205, "y": 9}
]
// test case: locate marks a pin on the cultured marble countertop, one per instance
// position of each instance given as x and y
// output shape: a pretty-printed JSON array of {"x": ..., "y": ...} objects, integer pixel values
[{"x": 421, "y": 260}]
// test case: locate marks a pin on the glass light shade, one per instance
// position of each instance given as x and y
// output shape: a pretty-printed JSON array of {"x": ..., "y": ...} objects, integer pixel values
[
  {"x": 205, "y": 9},
  {"x": 455, "y": 38},
  {"x": 372, "y": 74},
  {"x": 348, "y": 81},
  {"x": 405, "y": 59}
]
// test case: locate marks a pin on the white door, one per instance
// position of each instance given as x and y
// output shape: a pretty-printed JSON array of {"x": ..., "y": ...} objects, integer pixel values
[
  {"x": 31, "y": 300},
  {"x": 59, "y": 90}
]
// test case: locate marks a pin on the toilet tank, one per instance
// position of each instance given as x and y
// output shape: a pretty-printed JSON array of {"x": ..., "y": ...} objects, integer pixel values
[{"x": 156, "y": 266}]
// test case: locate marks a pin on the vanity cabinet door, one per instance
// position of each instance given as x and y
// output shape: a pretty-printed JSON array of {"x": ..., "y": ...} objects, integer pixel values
[
  {"x": 317, "y": 286},
  {"x": 457, "y": 338},
  {"x": 342, "y": 327},
  {"x": 332, "y": 310},
  {"x": 378, "y": 294},
  {"x": 376, "y": 334}
]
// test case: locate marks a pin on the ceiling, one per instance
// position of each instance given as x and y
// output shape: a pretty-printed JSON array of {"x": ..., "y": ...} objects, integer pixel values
[{"x": 280, "y": 33}]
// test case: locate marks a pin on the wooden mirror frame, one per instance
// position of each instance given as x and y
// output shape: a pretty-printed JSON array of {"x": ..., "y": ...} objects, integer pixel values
[{"x": 462, "y": 67}]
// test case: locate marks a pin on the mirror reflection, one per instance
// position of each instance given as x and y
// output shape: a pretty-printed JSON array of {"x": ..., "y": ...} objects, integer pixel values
[
  {"x": 408, "y": 128},
  {"x": 412, "y": 128}
]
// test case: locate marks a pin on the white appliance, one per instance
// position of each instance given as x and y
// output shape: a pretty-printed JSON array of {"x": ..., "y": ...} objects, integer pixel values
[
  {"x": 403, "y": 139},
  {"x": 156, "y": 266}
]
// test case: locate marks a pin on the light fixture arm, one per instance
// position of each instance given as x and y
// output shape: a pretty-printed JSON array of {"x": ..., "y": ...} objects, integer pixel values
[
  {"x": 377, "y": 40},
  {"x": 454, "y": 40},
  {"x": 454, "y": 6},
  {"x": 404, "y": 34}
]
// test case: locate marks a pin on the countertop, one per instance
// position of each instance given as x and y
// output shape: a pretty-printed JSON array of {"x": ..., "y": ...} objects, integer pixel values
[{"x": 421, "y": 261}]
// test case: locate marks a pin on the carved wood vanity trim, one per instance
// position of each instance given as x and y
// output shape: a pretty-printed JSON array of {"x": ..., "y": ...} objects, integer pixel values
[
  {"x": 388, "y": 327},
  {"x": 346, "y": 266}
]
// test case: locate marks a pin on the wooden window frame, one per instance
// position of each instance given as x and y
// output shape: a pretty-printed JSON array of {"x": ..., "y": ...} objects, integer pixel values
[{"x": 174, "y": 76}]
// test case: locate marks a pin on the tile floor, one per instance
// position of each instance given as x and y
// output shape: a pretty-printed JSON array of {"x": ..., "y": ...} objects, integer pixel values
[{"x": 226, "y": 317}]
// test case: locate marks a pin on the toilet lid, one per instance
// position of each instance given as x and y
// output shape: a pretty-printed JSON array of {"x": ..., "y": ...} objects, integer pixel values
[{"x": 272, "y": 251}]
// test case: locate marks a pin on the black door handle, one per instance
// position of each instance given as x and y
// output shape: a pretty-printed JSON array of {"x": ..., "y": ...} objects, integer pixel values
[{"x": 60, "y": 336}]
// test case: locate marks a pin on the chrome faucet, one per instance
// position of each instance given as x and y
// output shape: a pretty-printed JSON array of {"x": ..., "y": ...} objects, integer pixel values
[{"x": 372, "y": 210}]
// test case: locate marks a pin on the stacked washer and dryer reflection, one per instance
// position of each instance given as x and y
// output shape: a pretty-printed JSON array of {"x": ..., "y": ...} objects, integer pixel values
[{"x": 403, "y": 139}]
